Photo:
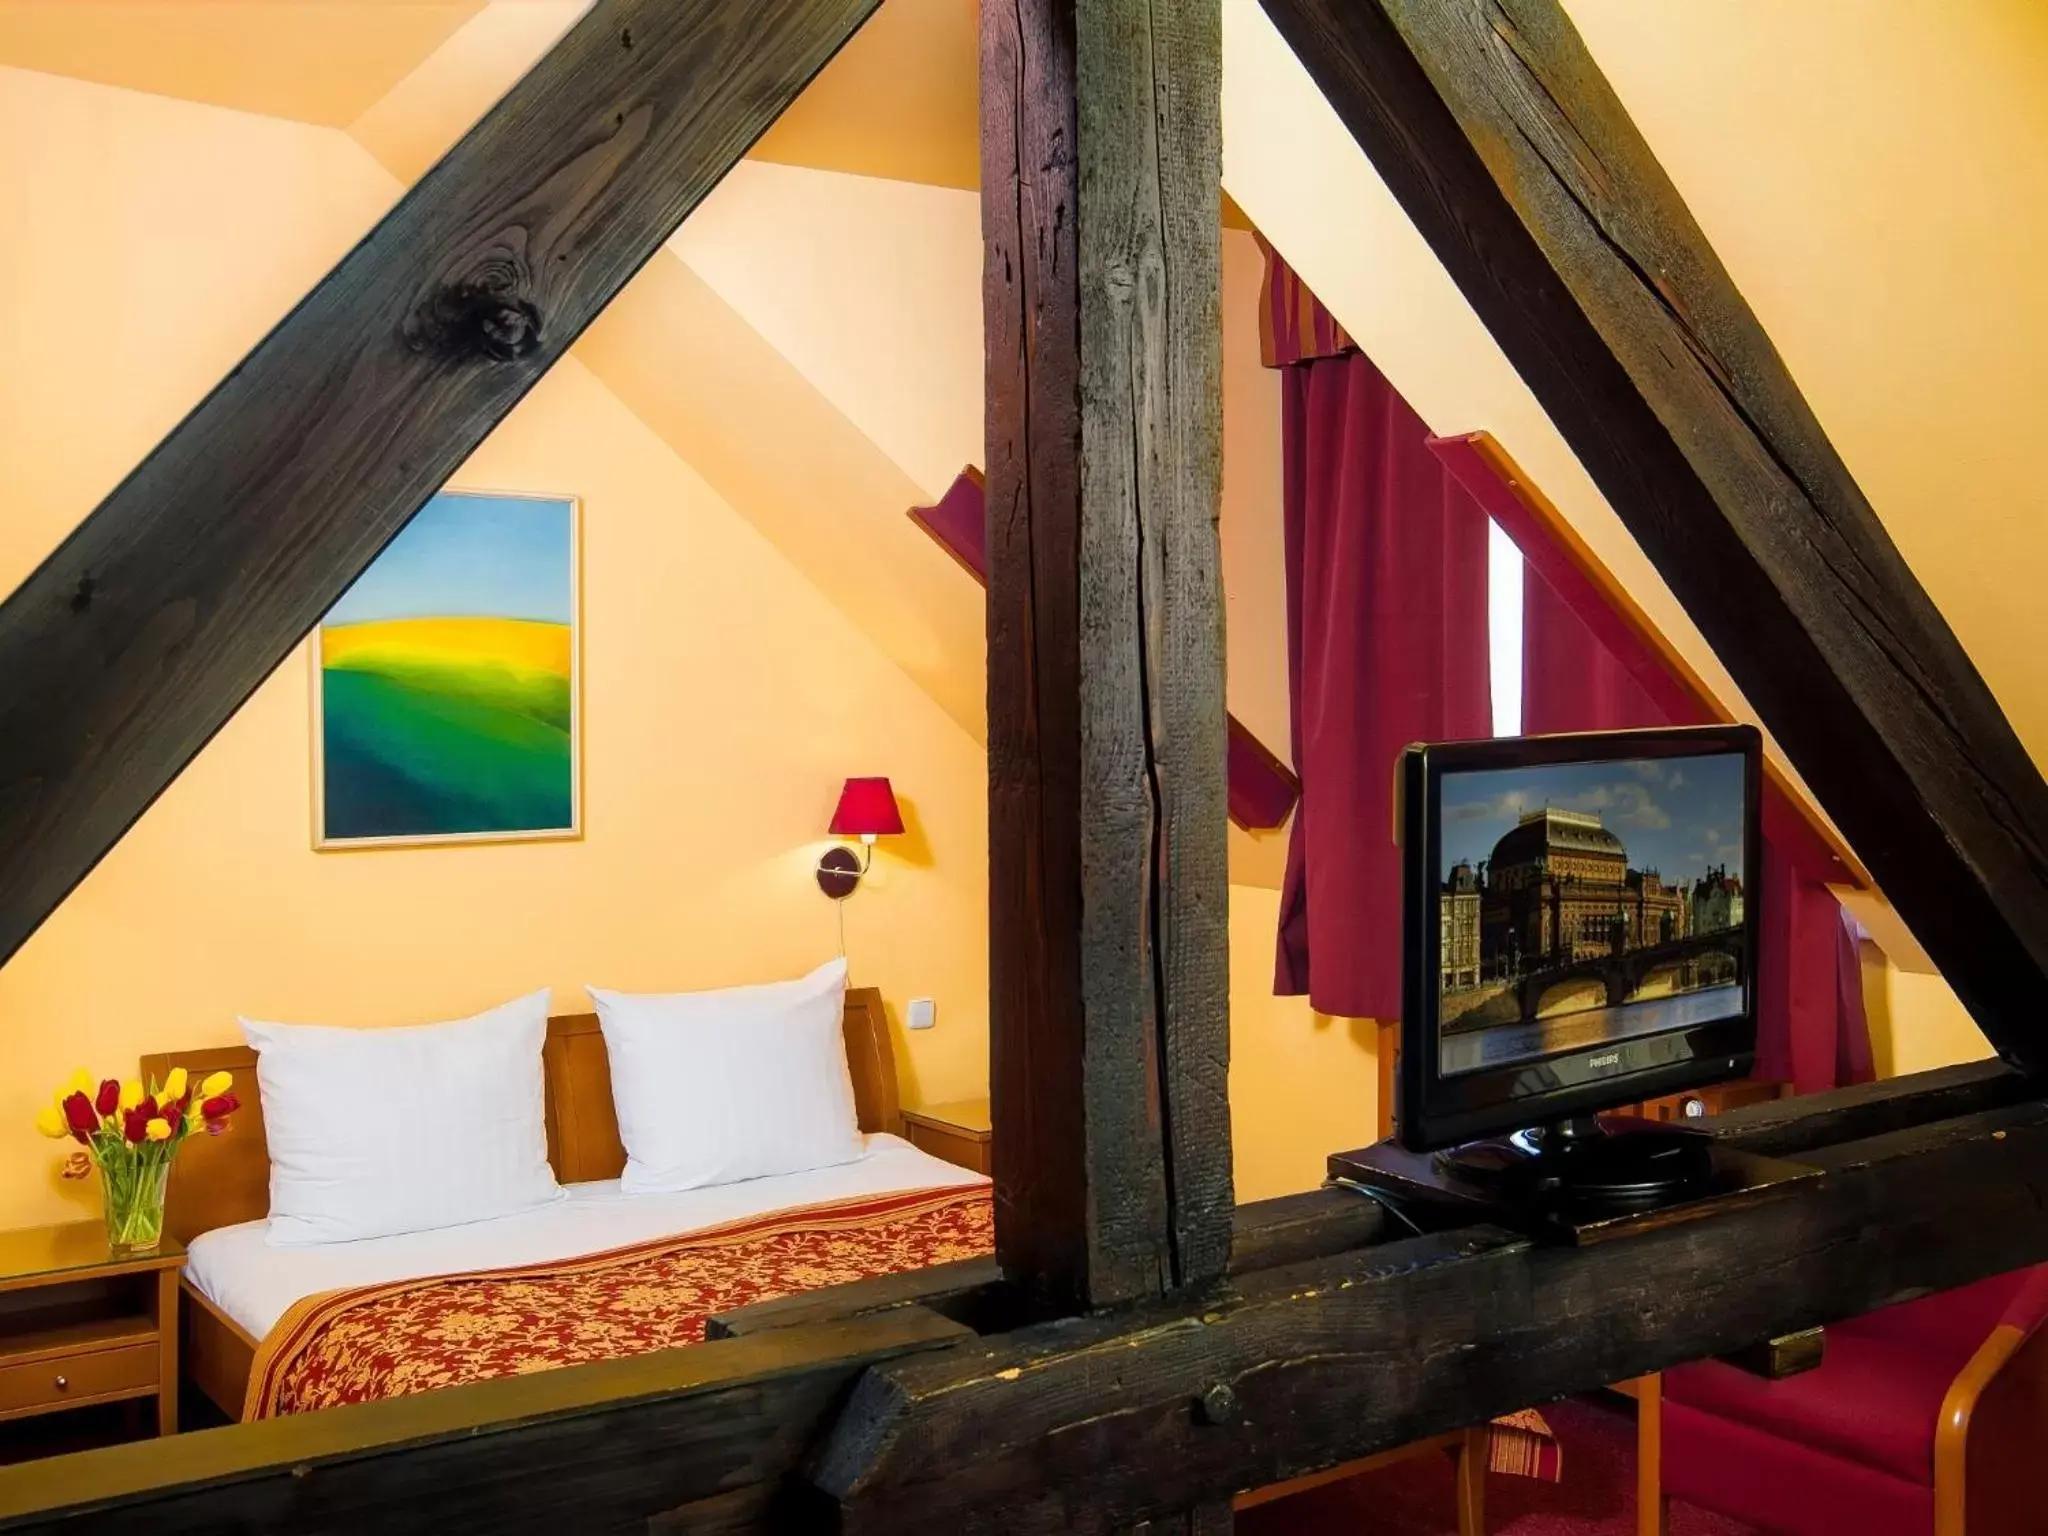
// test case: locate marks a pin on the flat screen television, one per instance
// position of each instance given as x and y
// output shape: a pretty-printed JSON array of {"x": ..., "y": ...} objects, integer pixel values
[{"x": 1579, "y": 926}]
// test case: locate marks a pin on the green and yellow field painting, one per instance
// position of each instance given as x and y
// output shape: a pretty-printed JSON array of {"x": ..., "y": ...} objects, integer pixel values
[{"x": 447, "y": 678}]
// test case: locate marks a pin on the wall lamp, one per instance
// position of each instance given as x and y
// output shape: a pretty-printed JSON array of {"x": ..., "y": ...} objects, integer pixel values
[{"x": 867, "y": 810}]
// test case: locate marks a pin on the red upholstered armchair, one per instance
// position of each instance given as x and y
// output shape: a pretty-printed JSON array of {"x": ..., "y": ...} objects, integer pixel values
[{"x": 1925, "y": 1419}]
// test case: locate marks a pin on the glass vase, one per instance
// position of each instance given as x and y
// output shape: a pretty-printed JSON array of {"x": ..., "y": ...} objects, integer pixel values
[{"x": 134, "y": 1189}]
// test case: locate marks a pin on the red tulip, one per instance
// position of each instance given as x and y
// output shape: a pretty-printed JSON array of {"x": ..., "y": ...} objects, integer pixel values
[
  {"x": 135, "y": 1122},
  {"x": 220, "y": 1107},
  {"x": 109, "y": 1098},
  {"x": 81, "y": 1116}
]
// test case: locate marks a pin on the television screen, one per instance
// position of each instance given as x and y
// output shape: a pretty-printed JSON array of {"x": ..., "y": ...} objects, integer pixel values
[{"x": 1581, "y": 904}]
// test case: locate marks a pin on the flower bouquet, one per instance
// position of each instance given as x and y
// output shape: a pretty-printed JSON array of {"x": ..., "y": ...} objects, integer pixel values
[{"x": 131, "y": 1133}]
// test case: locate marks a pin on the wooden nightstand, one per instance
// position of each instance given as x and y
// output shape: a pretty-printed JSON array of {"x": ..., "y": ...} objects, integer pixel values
[
  {"x": 77, "y": 1327},
  {"x": 957, "y": 1132}
]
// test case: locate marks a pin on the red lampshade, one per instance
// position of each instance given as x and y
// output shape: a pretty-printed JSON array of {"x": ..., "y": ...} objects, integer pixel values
[{"x": 867, "y": 808}]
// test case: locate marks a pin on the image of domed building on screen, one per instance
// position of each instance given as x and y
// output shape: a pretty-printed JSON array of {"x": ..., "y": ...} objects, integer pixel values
[{"x": 1578, "y": 889}]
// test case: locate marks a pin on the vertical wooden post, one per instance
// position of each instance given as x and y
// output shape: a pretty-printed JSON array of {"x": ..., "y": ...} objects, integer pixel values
[{"x": 1101, "y": 157}]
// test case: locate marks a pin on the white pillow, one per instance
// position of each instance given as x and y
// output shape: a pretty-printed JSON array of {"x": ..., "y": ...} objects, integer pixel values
[
  {"x": 743, "y": 1083},
  {"x": 379, "y": 1131}
]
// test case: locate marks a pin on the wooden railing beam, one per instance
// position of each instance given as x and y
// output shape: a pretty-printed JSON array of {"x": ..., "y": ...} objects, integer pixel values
[
  {"x": 1333, "y": 1340},
  {"x": 685, "y": 1440},
  {"x": 1337, "y": 1358}
]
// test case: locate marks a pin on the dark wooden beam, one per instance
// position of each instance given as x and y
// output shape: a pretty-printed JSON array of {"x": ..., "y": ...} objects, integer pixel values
[
  {"x": 1793, "y": 1126},
  {"x": 1265, "y": 1234},
  {"x": 135, "y": 641},
  {"x": 687, "y": 1440},
  {"x": 1495, "y": 129},
  {"x": 1101, "y": 152},
  {"x": 1090, "y": 1425},
  {"x": 1262, "y": 789}
]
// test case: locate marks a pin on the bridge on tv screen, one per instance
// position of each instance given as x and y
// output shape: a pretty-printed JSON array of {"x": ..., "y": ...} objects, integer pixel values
[{"x": 1623, "y": 972}]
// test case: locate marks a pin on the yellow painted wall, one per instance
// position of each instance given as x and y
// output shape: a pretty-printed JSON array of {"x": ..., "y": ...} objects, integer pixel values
[
  {"x": 151, "y": 241},
  {"x": 871, "y": 288},
  {"x": 1302, "y": 1084}
]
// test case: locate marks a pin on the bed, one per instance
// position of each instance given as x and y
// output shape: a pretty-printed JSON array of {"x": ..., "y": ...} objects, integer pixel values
[{"x": 255, "y": 1316}]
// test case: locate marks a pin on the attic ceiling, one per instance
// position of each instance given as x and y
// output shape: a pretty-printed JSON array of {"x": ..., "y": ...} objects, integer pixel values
[
  {"x": 898, "y": 102},
  {"x": 316, "y": 61},
  {"x": 1936, "y": 250}
]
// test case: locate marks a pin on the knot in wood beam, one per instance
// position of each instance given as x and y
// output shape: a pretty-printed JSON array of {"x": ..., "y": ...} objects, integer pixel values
[
  {"x": 1218, "y": 1405},
  {"x": 487, "y": 312}
]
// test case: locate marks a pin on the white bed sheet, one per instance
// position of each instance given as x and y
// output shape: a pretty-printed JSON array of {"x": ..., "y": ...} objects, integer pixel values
[{"x": 254, "y": 1283}]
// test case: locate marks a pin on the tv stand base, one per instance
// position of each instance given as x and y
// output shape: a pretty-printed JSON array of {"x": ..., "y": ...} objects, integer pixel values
[{"x": 1575, "y": 1182}]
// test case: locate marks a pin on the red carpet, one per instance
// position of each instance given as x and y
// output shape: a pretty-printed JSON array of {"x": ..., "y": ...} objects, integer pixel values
[{"x": 1414, "y": 1498}]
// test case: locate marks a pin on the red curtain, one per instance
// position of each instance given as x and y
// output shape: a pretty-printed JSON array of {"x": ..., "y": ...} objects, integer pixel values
[
  {"x": 1811, "y": 1029},
  {"x": 1570, "y": 681},
  {"x": 1386, "y": 645}
]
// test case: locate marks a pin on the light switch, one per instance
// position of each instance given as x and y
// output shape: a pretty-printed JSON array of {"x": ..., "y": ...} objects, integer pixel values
[{"x": 924, "y": 1013}]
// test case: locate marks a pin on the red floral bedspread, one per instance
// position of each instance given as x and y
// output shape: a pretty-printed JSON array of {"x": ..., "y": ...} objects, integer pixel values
[{"x": 381, "y": 1341}]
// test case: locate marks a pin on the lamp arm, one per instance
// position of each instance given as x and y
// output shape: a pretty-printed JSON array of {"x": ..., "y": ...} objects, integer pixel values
[{"x": 866, "y": 857}]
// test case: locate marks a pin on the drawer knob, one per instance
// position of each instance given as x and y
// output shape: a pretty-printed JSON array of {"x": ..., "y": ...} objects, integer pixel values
[{"x": 61, "y": 1383}]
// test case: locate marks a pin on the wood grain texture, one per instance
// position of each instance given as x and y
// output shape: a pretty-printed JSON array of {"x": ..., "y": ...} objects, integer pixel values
[
  {"x": 1788, "y": 1127},
  {"x": 1090, "y": 1422},
  {"x": 1495, "y": 129},
  {"x": 1155, "y": 935},
  {"x": 1031, "y": 318},
  {"x": 145, "y": 630},
  {"x": 1262, "y": 789},
  {"x": 1212, "y": 1519},
  {"x": 938, "y": 1286},
  {"x": 686, "y": 1440},
  {"x": 1109, "y": 1045}
]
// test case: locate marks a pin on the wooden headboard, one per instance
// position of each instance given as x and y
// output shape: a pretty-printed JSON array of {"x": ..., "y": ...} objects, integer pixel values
[{"x": 220, "y": 1180}]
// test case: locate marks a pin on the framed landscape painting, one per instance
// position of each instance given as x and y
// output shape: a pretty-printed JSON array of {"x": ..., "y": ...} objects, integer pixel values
[{"x": 446, "y": 683}]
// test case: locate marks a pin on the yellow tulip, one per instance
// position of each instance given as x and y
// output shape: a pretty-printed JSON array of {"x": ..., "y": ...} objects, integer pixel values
[
  {"x": 158, "y": 1129},
  {"x": 174, "y": 1086},
  {"x": 216, "y": 1084},
  {"x": 50, "y": 1121},
  {"x": 131, "y": 1094},
  {"x": 81, "y": 1082}
]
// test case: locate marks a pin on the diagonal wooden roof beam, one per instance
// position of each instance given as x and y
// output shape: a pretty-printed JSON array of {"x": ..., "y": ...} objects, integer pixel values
[
  {"x": 136, "y": 640},
  {"x": 1495, "y": 129}
]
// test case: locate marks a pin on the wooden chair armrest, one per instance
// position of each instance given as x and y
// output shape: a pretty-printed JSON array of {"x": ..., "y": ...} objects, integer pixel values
[{"x": 1984, "y": 1439}]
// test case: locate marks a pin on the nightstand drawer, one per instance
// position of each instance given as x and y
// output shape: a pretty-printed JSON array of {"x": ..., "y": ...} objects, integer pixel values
[
  {"x": 44, "y": 1384},
  {"x": 949, "y": 1144}
]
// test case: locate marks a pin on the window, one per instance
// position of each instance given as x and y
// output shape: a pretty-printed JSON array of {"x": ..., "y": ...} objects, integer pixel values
[{"x": 1504, "y": 629}]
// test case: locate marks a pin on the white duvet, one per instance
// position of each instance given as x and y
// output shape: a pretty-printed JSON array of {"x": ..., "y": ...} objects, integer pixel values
[{"x": 255, "y": 1284}]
